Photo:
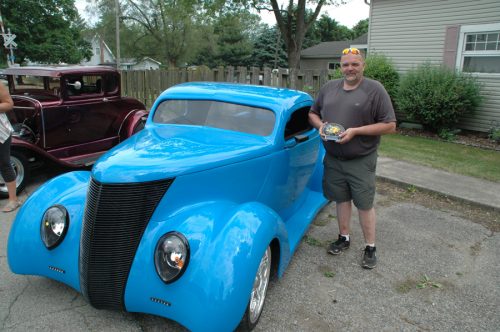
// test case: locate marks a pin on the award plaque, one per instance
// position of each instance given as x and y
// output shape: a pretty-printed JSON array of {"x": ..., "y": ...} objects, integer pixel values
[{"x": 332, "y": 131}]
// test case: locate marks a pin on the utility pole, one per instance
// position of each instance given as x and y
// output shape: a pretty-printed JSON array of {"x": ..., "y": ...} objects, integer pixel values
[{"x": 117, "y": 8}]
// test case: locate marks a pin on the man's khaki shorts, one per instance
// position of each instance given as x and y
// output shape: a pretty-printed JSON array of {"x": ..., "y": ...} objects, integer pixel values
[{"x": 354, "y": 179}]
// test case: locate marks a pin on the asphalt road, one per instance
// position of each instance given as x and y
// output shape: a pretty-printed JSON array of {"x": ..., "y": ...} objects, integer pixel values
[{"x": 319, "y": 292}]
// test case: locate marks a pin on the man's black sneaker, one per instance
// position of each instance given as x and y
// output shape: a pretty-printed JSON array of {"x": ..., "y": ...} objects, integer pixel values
[
  {"x": 369, "y": 258},
  {"x": 338, "y": 246}
]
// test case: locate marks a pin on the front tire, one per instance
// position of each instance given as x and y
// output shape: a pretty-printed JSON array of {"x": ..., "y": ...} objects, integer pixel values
[
  {"x": 258, "y": 295},
  {"x": 21, "y": 167}
]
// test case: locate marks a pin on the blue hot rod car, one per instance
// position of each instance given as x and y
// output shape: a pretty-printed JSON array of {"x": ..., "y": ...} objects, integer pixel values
[{"x": 189, "y": 218}]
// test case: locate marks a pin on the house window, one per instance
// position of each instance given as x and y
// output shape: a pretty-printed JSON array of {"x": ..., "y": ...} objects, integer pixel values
[
  {"x": 333, "y": 65},
  {"x": 479, "y": 49}
]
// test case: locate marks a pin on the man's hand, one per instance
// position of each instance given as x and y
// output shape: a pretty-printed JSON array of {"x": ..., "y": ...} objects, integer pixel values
[
  {"x": 320, "y": 129},
  {"x": 346, "y": 135}
]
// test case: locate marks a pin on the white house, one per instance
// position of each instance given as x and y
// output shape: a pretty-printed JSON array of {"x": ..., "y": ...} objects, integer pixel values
[
  {"x": 145, "y": 63},
  {"x": 101, "y": 53},
  {"x": 461, "y": 34}
]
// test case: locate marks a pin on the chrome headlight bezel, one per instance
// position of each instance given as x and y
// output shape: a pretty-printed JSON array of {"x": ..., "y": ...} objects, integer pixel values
[
  {"x": 171, "y": 256},
  {"x": 54, "y": 226}
]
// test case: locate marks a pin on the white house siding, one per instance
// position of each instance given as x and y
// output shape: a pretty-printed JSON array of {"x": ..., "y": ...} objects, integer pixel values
[
  {"x": 146, "y": 64},
  {"x": 100, "y": 53},
  {"x": 412, "y": 32},
  {"x": 488, "y": 115}
]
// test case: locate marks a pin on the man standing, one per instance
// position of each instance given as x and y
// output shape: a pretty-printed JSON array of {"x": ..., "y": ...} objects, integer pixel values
[{"x": 363, "y": 107}]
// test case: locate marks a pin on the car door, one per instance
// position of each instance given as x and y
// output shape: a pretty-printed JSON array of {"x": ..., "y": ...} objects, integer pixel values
[
  {"x": 301, "y": 149},
  {"x": 296, "y": 161},
  {"x": 88, "y": 118}
]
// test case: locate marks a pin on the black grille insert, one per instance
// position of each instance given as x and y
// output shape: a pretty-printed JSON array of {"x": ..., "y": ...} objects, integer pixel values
[{"x": 115, "y": 218}]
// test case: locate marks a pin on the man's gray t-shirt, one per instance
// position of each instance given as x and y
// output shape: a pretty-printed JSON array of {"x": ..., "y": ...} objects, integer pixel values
[{"x": 369, "y": 103}]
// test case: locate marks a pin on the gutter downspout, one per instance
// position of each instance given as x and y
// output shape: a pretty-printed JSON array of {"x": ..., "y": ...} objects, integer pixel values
[{"x": 369, "y": 3}]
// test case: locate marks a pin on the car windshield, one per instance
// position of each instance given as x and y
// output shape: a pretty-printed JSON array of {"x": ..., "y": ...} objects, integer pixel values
[{"x": 217, "y": 114}]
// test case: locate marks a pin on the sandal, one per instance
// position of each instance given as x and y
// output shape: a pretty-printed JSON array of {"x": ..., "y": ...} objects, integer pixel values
[{"x": 11, "y": 206}]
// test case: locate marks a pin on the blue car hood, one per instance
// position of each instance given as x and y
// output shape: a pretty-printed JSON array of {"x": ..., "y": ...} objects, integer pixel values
[{"x": 167, "y": 151}]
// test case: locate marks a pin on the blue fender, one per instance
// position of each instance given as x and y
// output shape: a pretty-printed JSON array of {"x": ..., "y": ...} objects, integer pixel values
[
  {"x": 227, "y": 242},
  {"x": 26, "y": 253}
]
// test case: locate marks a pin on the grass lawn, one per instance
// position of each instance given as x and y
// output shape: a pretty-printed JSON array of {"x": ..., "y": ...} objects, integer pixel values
[{"x": 451, "y": 157}]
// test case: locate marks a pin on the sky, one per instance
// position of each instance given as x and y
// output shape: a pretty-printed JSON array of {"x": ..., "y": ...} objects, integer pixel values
[{"x": 348, "y": 14}]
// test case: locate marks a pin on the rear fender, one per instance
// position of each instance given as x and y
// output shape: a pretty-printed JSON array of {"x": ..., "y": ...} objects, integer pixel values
[
  {"x": 26, "y": 253},
  {"x": 132, "y": 119},
  {"x": 227, "y": 242}
]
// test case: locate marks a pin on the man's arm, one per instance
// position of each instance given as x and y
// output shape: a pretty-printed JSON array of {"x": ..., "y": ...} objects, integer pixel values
[
  {"x": 6, "y": 102},
  {"x": 316, "y": 122},
  {"x": 375, "y": 129}
]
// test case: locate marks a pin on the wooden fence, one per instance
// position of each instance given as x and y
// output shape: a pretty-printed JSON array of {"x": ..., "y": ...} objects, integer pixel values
[{"x": 146, "y": 85}]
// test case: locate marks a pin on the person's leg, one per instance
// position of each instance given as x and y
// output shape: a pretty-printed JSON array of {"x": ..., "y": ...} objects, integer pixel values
[
  {"x": 362, "y": 181},
  {"x": 367, "y": 219},
  {"x": 8, "y": 175},
  {"x": 344, "y": 212},
  {"x": 11, "y": 188},
  {"x": 335, "y": 188}
]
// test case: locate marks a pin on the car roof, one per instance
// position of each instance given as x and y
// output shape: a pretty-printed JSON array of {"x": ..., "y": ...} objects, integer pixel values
[
  {"x": 56, "y": 71},
  {"x": 276, "y": 99}
]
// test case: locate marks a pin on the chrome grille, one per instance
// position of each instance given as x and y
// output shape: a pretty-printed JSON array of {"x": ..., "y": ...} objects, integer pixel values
[{"x": 116, "y": 216}]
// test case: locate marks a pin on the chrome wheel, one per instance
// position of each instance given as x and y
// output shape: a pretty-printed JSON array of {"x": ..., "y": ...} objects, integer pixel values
[
  {"x": 20, "y": 167},
  {"x": 260, "y": 288}
]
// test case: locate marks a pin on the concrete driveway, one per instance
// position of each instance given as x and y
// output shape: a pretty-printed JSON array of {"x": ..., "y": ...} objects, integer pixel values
[{"x": 319, "y": 292}]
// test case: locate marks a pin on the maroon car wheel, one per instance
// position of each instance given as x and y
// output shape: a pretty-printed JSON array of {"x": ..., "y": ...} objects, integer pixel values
[{"x": 21, "y": 167}]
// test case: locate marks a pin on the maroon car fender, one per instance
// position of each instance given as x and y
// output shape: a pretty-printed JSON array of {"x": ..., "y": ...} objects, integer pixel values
[{"x": 133, "y": 122}]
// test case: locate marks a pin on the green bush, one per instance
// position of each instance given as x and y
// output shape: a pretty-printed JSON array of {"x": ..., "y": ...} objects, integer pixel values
[
  {"x": 437, "y": 97},
  {"x": 380, "y": 68},
  {"x": 494, "y": 133}
]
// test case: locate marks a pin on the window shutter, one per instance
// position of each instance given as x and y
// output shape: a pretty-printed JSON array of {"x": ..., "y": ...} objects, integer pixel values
[{"x": 450, "y": 46}]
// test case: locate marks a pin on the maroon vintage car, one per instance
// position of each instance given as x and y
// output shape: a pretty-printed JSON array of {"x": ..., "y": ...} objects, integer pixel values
[{"x": 67, "y": 115}]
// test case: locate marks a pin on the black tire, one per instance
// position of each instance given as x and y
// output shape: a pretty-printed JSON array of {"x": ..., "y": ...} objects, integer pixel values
[
  {"x": 21, "y": 167},
  {"x": 259, "y": 292}
]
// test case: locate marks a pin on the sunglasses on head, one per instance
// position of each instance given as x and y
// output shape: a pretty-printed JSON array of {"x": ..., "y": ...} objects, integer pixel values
[{"x": 352, "y": 50}]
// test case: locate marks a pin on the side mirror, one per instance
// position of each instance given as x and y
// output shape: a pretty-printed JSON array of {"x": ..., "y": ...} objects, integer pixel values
[{"x": 77, "y": 85}]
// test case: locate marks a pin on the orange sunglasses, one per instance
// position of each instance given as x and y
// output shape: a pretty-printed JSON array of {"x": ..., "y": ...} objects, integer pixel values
[{"x": 352, "y": 50}]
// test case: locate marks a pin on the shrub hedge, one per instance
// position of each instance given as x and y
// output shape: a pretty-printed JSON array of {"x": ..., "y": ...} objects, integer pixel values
[{"x": 437, "y": 97}]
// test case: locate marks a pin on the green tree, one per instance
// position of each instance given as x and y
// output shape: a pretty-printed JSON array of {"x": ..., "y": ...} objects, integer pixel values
[
  {"x": 169, "y": 23},
  {"x": 47, "y": 31},
  {"x": 327, "y": 29},
  {"x": 293, "y": 22},
  {"x": 360, "y": 28},
  {"x": 234, "y": 38},
  {"x": 268, "y": 49},
  {"x": 226, "y": 39}
]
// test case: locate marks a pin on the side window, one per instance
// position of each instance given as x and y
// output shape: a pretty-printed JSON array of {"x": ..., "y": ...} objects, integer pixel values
[
  {"x": 84, "y": 85},
  {"x": 111, "y": 84},
  {"x": 91, "y": 84},
  {"x": 298, "y": 123}
]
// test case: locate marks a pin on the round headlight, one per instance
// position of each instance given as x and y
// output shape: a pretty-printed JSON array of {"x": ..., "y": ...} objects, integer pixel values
[
  {"x": 54, "y": 226},
  {"x": 171, "y": 256}
]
